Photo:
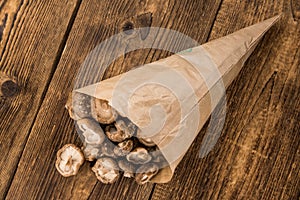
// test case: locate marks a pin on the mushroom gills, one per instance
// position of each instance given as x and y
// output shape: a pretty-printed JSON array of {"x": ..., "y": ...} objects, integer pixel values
[
  {"x": 106, "y": 170},
  {"x": 69, "y": 159}
]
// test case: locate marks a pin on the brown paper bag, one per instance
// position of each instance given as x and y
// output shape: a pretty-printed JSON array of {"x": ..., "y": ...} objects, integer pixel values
[{"x": 171, "y": 99}]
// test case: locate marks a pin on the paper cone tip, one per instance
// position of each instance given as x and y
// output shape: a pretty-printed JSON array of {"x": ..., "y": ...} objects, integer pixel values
[
  {"x": 275, "y": 18},
  {"x": 239, "y": 43}
]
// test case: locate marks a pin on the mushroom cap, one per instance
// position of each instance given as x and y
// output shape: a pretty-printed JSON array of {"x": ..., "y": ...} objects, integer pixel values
[
  {"x": 68, "y": 160},
  {"x": 146, "y": 172},
  {"x": 123, "y": 148},
  {"x": 128, "y": 168},
  {"x": 91, "y": 131},
  {"x": 79, "y": 105},
  {"x": 139, "y": 156},
  {"x": 106, "y": 170},
  {"x": 102, "y": 111}
]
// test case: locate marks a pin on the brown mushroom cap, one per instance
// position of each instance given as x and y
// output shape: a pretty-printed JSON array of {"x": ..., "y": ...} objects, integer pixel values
[
  {"x": 68, "y": 160},
  {"x": 127, "y": 167},
  {"x": 123, "y": 148},
  {"x": 102, "y": 111},
  {"x": 91, "y": 131},
  {"x": 79, "y": 105},
  {"x": 139, "y": 156},
  {"x": 106, "y": 170},
  {"x": 146, "y": 172}
]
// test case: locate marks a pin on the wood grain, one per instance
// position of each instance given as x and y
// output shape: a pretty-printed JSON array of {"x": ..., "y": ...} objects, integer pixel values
[
  {"x": 95, "y": 22},
  {"x": 257, "y": 156},
  {"x": 32, "y": 34}
]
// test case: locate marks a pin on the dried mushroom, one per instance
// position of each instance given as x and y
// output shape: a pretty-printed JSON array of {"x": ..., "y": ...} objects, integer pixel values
[
  {"x": 128, "y": 128},
  {"x": 139, "y": 156},
  {"x": 102, "y": 111},
  {"x": 79, "y": 106},
  {"x": 147, "y": 142},
  {"x": 91, "y": 152},
  {"x": 116, "y": 134},
  {"x": 107, "y": 149},
  {"x": 69, "y": 159},
  {"x": 145, "y": 173},
  {"x": 106, "y": 170},
  {"x": 91, "y": 131},
  {"x": 127, "y": 167},
  {"x": 123, "y": 148},
  {"x": 158, "y": 158}
]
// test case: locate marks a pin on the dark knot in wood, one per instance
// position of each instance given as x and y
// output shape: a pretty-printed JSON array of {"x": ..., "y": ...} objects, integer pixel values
[
  {"x": 8, "y": 86},
  {"x": 128, "y": 28}
]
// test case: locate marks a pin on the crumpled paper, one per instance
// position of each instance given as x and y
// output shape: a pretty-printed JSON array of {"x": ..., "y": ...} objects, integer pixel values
[{"x": 171, "y": 99}]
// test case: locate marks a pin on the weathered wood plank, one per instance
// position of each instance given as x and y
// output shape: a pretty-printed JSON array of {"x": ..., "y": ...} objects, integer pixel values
[
  {"x": 95, "y": 22},
  {"x": 31, "y": 34},
  {"x": 257, "y": 156}
]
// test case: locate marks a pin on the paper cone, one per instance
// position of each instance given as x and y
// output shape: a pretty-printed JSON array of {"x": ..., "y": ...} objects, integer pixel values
[{"x": 170, "y": 100}]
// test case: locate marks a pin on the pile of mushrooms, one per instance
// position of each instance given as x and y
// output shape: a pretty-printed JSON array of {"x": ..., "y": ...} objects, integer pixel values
[{"x": 110, "y": 142}]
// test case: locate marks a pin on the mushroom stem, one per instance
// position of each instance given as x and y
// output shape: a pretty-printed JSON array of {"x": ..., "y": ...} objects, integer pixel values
[
  {"x": 69, "y": 161},
  {"x": 8, "y": 85}
]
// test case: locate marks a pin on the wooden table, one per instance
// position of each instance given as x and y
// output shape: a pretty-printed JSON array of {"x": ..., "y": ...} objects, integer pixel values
[{"x": 43, "y": 44}]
